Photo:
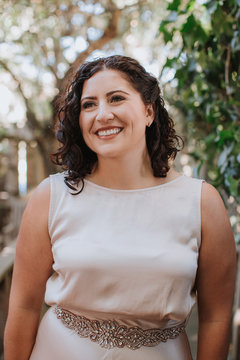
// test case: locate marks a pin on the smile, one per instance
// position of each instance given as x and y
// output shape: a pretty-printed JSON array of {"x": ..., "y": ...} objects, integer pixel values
[{"x": 108, "y": 132}]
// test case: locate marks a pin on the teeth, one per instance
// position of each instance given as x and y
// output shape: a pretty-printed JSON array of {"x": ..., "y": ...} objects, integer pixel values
[{"x": 108, "y": 132}]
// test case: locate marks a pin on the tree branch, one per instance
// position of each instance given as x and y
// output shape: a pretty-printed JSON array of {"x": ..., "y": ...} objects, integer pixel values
[
  {"x": 50, "y": 67},
  {"x": 227, "y": 70},
  {"x": 31, "y": 118},
  {"x": 227, "y": 66},
  {"x": 109, "y": 34}
]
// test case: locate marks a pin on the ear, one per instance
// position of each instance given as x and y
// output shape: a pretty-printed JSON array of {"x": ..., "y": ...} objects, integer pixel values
[{"x": 149, "y": 114}]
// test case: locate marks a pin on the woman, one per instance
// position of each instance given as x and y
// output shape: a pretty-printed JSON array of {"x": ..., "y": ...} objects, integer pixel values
[{"x": 130, "y": 239}]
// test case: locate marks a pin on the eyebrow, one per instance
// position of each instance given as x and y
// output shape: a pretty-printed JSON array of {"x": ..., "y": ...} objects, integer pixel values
[{"x": 108, "y": 94}]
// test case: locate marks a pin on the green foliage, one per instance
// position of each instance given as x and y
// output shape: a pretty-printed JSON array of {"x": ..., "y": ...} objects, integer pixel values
[
  {"x": 206, "y": 84},
  {"x": 207, "y": 78}
]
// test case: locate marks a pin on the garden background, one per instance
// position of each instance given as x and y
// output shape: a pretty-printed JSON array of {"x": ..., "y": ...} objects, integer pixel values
[{"x": 193, "y": 47}]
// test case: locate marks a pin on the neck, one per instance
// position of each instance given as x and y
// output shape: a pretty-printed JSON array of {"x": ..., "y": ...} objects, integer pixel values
[{"x": 127, "y": 172}]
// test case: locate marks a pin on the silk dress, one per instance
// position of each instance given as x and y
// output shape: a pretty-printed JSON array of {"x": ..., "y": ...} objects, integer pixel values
[{"x": 128, "y": 256}]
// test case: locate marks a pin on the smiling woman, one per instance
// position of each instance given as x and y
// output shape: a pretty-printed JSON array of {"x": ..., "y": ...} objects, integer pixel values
[
  {"x": 132, "y": 242},
  {"x": 113, "y": 117},
  {"x": 107, "y": 92}
]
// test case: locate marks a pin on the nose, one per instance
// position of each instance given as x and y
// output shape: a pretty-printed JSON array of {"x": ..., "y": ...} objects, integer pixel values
[{"x": 104, "y": 113}]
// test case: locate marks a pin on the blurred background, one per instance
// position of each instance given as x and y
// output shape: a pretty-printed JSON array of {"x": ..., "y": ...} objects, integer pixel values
[{"x": 192, "y": 46}]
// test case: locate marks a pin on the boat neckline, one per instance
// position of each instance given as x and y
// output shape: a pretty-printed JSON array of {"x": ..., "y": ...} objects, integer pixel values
[{"x": 134, "y": 190}]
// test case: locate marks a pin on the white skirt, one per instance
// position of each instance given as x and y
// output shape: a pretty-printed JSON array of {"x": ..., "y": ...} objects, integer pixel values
[{"x": 56, "y": 342}]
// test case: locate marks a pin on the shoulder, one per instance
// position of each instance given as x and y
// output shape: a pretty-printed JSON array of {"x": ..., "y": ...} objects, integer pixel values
[
  {"x": 38, "y": 202},
  {"x": 216, "y": 228},
  {"x": 34, "y": 225},
  {"x": 212, "y": 206},
  {"x": 210, "y": 195},
  {"x": 41, "y": 193}
]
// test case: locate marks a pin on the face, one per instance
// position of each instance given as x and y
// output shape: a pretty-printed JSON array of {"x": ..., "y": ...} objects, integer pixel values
[{"x": 113, "y": 117}]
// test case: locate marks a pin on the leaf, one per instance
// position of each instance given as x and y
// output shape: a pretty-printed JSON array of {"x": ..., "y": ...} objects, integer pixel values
[
  {"x": 174, "y": 5},
  {"x": 222, "y": 23},
  {"x": 211, "y": 6},
  {"x": 172, "y": 63},
  {"x": 189, "y": 24},
  {"x": 172, "y": 17},
  {"x": 225, "y": 135},
  {"x": 190, "y": 5},
  {"x": 235, "y": 42},
  {"x": 162, "y": 25},
  {"x": 200, "y": 34},
  {"x": 209, "y": 139},
  {"x": 192, "y": 65},
  {"x": 223, "y": 158},
  {"x": 233, "y": 185},
  {"x": 166, "y": 34}
]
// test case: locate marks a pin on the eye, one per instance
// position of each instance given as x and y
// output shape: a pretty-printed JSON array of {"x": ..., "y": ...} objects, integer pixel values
[
  {"x": 117, "y": 98},
  {"x": 88, "y": 104}
]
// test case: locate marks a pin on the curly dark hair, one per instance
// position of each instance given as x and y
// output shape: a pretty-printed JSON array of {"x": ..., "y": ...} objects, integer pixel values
[{"x": 75, "y": 157}]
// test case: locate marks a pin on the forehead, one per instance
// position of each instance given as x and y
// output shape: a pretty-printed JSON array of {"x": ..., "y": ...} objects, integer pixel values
[{"x": 107, "y": 80}]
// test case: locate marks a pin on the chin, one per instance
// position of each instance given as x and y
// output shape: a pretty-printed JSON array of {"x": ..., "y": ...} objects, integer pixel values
[
  {"x": 108, "y": 152},
  {"x": 108, "y": 155}
]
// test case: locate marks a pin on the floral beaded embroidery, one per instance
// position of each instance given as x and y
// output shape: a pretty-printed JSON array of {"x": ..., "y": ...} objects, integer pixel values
[{"x": 110, "y": 334}]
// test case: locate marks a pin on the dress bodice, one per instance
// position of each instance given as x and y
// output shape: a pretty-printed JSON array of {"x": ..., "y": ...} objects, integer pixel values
[{"x": 125, "y": 254}]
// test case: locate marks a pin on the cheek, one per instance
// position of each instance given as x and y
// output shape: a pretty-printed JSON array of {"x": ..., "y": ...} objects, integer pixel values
[
  {"x": 80, "y": 121},
  {"x": 85, "y": 127},
  {"x": 83, "y": 123}
]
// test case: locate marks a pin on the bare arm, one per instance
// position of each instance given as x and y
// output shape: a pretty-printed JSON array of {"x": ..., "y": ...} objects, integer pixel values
[
  {"x": 32, "y": 268},
  {"x": 216, "y": 278}
]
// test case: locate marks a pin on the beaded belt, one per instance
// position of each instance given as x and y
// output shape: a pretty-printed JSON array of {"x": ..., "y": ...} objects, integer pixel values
[{"x": 109, "y": 333}]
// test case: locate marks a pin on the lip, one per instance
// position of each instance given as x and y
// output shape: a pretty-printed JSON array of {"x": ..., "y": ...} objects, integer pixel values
[
  {"x": 108, "y": 128},
  {"x": 110, "y": 136}
]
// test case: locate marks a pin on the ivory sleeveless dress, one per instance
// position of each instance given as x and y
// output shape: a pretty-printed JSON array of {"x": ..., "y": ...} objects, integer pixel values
[{"x": 124, "y": 255}]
